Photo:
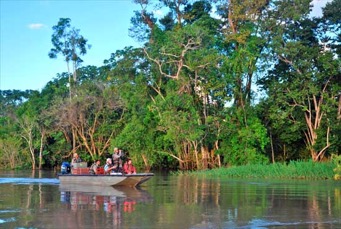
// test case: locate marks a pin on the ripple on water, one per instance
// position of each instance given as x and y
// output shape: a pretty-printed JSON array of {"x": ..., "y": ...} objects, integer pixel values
[
  {"x": 8, "y": 220},
  {"x": 259, "y": 223},
  {"x": 29, "y": 180}
]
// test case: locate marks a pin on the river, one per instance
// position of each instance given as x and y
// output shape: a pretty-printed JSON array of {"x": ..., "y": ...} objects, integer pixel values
[{"x": 36, "y": 200}]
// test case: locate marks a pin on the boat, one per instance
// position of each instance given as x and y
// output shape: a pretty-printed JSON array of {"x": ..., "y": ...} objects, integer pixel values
[
  {"x": 79, "y": 175},
  {"x": 103, "y": 180}
]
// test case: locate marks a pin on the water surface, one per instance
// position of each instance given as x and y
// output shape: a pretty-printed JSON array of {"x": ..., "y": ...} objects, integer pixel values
[{"x": 37, "y": 200}]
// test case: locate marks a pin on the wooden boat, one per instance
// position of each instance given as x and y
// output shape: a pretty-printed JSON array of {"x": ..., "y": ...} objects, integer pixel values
[{"x": 131, "y": 180}]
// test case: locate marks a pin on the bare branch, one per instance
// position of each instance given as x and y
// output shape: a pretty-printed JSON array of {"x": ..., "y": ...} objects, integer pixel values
[{"x": 282, "y": 58}]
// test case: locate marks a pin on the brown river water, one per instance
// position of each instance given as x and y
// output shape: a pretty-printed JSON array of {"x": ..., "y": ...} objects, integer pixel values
[{"x": 36, "y": 200}]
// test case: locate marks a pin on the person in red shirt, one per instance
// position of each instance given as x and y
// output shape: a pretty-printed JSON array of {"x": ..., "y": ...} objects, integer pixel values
[{"x": 128, "y": 167}]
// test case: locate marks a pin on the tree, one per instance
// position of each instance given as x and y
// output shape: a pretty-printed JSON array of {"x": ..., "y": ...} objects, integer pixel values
[
  {"x": 128, "y": 78},
  {"x": 20, "y": 122},
  {"x": 34, "y": 125},
  {"x": 68, "y": 42},
  {"x": 303, "y": 82},
  {"x": 183, "y": 68},
  {"x": 241, "y": 24},
  {"x": 10, "y": 144},
  {"x": 92, "y": 115}
]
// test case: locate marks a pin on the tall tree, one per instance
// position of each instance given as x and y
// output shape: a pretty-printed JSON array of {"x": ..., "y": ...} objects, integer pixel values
[
  {"x": 66, "y": 40},
  {"x": 241, "y": 23},
  {"x": 184, "y": 66},
  {"x": 304, "y": 79}
]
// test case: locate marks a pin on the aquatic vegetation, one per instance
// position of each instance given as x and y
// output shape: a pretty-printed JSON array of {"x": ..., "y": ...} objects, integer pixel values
[
  {"x": 337, "y": 160},
  {"x": 292, "y": 170}
]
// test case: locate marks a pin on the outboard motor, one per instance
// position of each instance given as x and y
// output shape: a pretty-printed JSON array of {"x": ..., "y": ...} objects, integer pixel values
[{"x": 66, "y": 168}]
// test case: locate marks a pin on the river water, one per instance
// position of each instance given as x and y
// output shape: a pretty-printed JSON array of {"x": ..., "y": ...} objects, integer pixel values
[{"x": 36, "y": 200}]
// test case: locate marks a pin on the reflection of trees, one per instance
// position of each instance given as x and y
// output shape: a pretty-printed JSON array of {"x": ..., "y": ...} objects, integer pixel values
[
  {"x": 184, "y": 200},
  {"x": 195, "y": 190},
  {"x": 244, "y": 201},
  {"x": 29, "y": 195},
  {"x": 27, "y": 199},
  {"x": 314, "y": 212},
  {"x": 304, "y": 200}
]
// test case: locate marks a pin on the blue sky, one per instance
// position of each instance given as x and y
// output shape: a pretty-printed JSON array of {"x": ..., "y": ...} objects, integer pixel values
[{"x": 26, "y": 30}]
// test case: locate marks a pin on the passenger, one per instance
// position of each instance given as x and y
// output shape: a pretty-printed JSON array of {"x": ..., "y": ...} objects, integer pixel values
[
  {"x": 94, "y": 167},
  {"x": 109, "y": 167},
  {"x": 75, "y": 159},
  {"x": 128, "y": 167},
  {"x": 117, "y": 158}
]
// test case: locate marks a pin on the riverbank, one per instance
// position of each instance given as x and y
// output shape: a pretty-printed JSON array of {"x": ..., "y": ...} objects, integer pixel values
[{"x": 292, "y": 170}]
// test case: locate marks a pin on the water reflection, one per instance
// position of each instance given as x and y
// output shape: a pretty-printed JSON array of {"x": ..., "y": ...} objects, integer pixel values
[
  {"x": 112, "y": 200},
  {"x": 228, "y": 203},
  {"x": 38, "y": 201}
]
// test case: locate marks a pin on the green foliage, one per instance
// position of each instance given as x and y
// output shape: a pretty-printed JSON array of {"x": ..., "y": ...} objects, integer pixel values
[
  {"x": 337, "y": 170},
  {"x": 68, "y": 42},
  {"x": 243, "y": 143},
  {"x": 293, "y": 170},
  {"x": 301, "y": 87},
  {"x": 10, "y": 153},
  {"x": 186, "y": 99}
]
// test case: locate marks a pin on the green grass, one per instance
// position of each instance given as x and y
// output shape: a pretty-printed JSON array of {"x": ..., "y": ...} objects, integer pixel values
[{"x": 293, "y": 170}]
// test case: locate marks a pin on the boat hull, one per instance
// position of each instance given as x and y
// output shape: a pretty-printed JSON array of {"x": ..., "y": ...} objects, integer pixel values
[{"x": 130, "y": 180}]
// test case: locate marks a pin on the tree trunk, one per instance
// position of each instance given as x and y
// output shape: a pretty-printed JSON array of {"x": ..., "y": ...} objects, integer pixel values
[
  {"x": 313, "y": 117},
  {"x": 27, "y": 134},
  {"x": 41, "y": 148},
  {"x": 272, "y": 149},
  {"x": 33, "y": 159},
  {"x": 146, "y": 164}
]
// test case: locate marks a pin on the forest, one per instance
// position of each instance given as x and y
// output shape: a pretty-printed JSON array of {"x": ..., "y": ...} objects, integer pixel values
[{"x": 216, "y": 83}]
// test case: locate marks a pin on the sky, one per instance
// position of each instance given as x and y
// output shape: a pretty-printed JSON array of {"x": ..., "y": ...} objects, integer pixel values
[{"x": 26, "y": 31}]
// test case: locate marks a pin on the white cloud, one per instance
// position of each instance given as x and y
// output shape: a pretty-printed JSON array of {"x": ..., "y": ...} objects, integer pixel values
[{"x": 36, "y": 26}]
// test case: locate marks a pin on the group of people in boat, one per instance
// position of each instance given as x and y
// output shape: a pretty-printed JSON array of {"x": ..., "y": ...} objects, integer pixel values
[{"x": 117, "y": 164}]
